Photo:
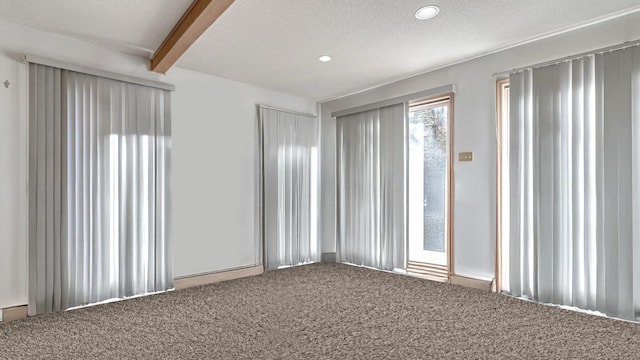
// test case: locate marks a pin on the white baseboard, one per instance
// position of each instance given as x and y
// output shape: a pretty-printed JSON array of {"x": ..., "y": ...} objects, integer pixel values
[
  {"x": 470, "y": 282},
  {"x": 211, "y": 278}
]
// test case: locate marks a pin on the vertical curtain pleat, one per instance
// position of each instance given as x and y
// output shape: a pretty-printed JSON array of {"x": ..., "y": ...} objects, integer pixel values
[
  {"x": 635, "y": 184},
  {"x": 99, "y": 168},
  {"x": 163, "y": 251},
  {"x": 371, "y": 188},
  {"x": 48, "y": 272},
  {"x": 574, "y": 156},
  {"x": 288, "y": 196}
]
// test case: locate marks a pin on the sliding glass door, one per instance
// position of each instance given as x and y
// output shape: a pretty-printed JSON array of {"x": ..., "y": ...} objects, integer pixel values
[{"x": 428, "y": 183}]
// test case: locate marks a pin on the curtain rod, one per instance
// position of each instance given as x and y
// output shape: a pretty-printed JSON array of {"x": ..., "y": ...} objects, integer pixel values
[
  {"x": 613, "y": 48},
  {"x": 95, "y": 72},
  {"x": 285, "y": 110}
]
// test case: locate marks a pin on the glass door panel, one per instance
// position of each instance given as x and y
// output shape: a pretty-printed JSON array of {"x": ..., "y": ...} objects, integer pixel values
[{"x": 428, "y": 182}]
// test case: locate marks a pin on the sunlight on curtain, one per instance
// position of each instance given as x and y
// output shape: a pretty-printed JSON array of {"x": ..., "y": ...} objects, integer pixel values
[
  {"x": 99, "y": 164},
  {"x": 574, "y": 186},
  {"x": 288, "y": 198},
  {"x": 371, "y": 186}
]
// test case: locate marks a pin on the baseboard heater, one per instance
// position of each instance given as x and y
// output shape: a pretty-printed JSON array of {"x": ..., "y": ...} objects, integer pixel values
[
  {"x": 440, "y": 273},
  {"x": 428, "y": 271}
]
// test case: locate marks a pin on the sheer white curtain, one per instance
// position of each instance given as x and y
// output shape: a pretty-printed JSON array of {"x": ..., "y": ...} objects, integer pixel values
[
  {"x": 288, "y": 196},
  {"x": 574, "y": 194},
  {"x": 371, "y": 187},
  {"x": 98, "y": 189}
]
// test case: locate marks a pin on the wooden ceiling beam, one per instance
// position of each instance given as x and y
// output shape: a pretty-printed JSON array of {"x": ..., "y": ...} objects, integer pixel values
[{"x": 195, "y": 21}]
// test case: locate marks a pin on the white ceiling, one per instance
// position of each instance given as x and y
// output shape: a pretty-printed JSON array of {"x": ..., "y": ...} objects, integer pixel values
[
  {"x": 135, "y": 26},
  {"x": 275, "y": 43}
]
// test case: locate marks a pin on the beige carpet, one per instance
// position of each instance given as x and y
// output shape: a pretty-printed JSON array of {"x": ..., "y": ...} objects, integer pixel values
[{"x": 321, "y": 312}]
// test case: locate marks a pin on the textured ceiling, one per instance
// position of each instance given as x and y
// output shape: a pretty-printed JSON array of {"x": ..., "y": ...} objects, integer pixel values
[
  {"x": 135, "y": 26},
  {"x": 275, "y": 43}
]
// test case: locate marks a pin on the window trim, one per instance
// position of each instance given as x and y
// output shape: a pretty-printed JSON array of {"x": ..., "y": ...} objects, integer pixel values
[
  {"x": 501, "y": 86},
  {"x": 431, "y": 101}
]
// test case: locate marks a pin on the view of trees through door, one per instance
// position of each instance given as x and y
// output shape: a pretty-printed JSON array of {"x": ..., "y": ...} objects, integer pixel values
[{"x": 428, "y": 184}]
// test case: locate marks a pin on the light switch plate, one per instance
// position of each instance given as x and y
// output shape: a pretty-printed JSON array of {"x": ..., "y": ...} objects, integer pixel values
[{"x": 465, "y": 156}]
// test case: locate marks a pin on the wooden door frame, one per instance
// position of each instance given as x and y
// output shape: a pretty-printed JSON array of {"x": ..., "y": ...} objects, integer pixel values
[
  {"x": 501, "y": 84},
  {"x": 449, "y": 97}
]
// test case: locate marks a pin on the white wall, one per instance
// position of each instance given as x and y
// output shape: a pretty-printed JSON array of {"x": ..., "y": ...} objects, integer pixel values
[
  {"x": 13, "y": 190},
  {"x": 474, "y": 130},
  {"x": 213, "y": 145},
  {"x": 214, "y": 177}
]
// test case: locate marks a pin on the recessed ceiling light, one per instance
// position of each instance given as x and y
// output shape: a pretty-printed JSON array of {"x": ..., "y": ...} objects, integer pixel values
[
  {"x": 325, "y": 58},
  {"x": 427, "y": 12}
]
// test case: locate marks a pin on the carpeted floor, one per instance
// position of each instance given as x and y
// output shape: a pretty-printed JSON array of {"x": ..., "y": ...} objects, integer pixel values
[{"x": 323, "y": 311}]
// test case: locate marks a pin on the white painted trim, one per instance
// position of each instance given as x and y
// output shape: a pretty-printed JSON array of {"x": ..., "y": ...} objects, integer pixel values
[
  {"x": 211, "y": 278},
  {"x": 95, "y": 72},
  {"x": 396, "y": 100},
  {"x": 287, "y": 111},
  {"x": 613, "y": 48}
]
